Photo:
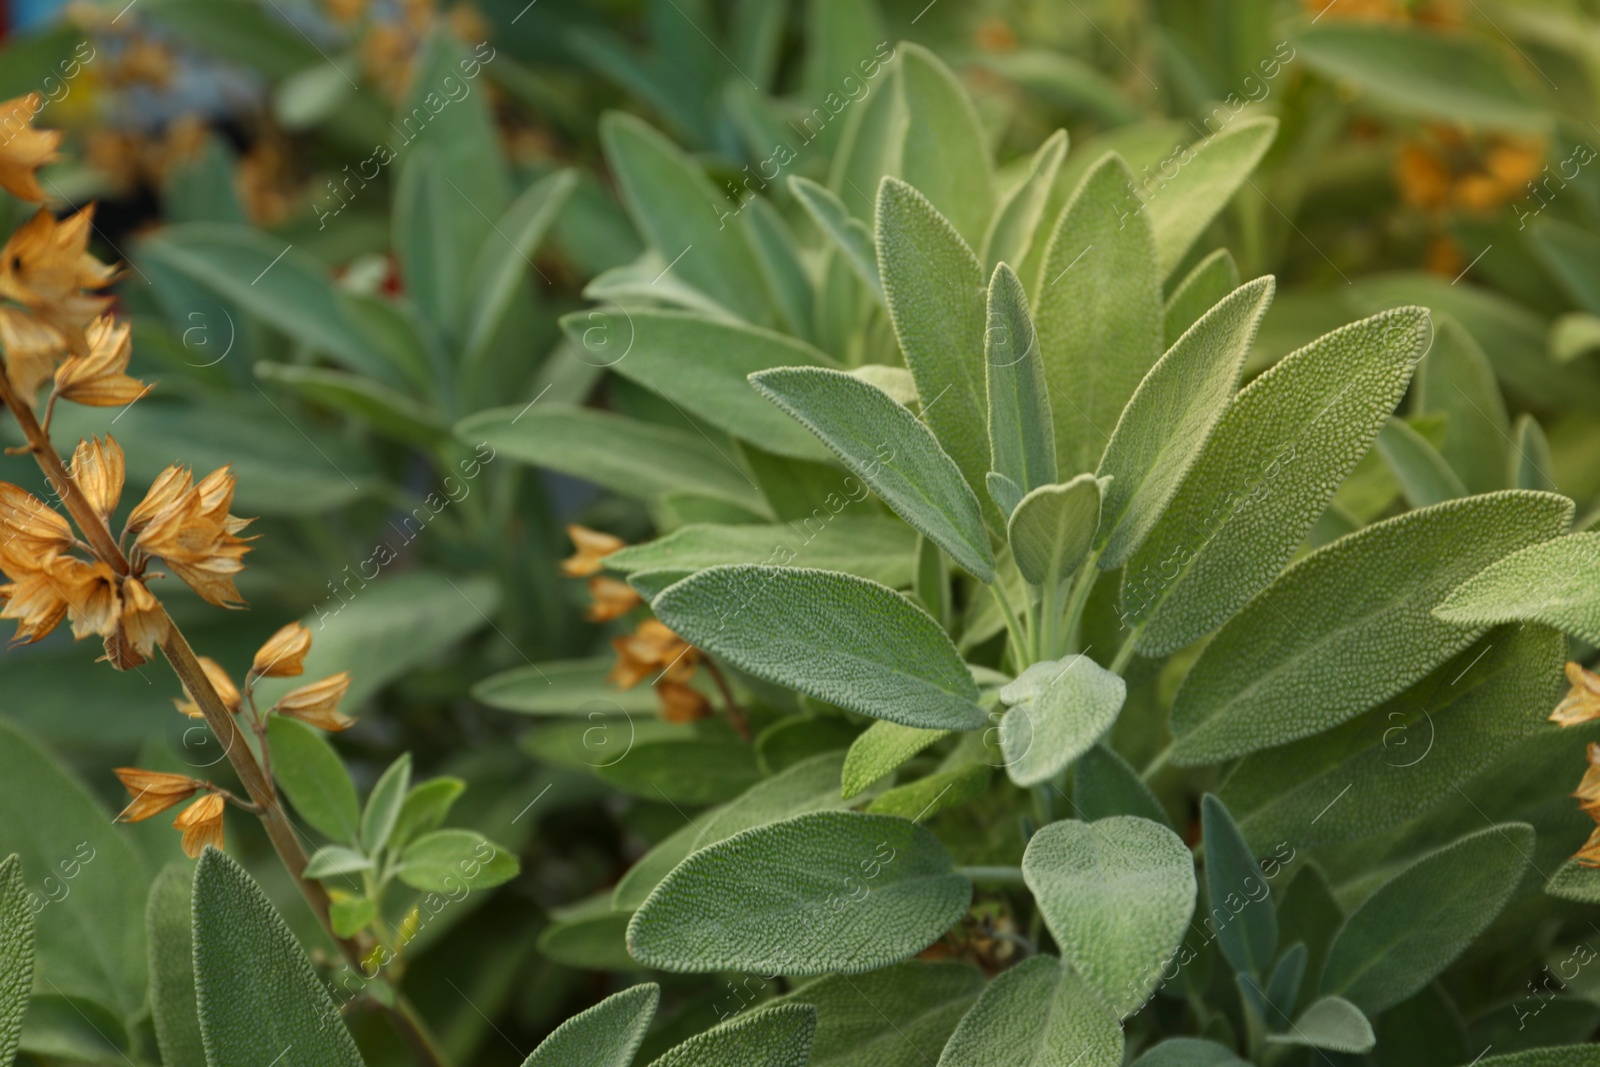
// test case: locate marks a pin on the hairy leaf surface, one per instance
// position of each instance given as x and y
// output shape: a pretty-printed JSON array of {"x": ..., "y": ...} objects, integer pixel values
[
  {"x": 1036, "y": 1014},
  {"x": 1552, "y": 583},
  {"x": 1058, "y": 709}
]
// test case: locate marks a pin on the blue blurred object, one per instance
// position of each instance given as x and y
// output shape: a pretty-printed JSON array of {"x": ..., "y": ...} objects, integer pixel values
[{"x": 28, "y": 14}]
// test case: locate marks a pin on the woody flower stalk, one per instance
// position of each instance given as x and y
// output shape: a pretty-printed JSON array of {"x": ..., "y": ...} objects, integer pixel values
[{"x": 54, "y": 328}]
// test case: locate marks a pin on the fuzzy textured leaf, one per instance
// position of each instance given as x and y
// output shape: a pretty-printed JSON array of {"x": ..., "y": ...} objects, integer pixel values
[
  {"x": 703, "y": 366},
  {"x": 879, "y": 749},
  {"x": 1017, "y": 222},
  {"x": 1099, "y": 312},
  {"x": 606, "y": 1035},
  {"x": 869, "y": 546},
  {"x": 1117, "y": 896},
  {"x": 1458, "y": 382},
  {"x": 1418, "y": 922},
  {"x": 244, "y": 954},
  {"x": 1180, "y": 209},
  {"x": 825, "y": 891},
  {"x": 1212, "y": 279},
  {"x": 945, "y": 153},
  {"x": 1331, "y": 1023},
  {"x": 1052, "y": 528},
  {"x": 934, "y": 286},
  {"x": 1350, "y": 625},
  {"x": 1171, "y": 416},
  {"x": 1552, "y": 583},
  {"x": 889, "y": 449},
  {"x": 899, "y": 1016},
  {"x": 1058, "y": 709},
  {"x": 16, "y": 955},
  {"x": 841, "y": 639},
  {"x": 850, "y": 234},
  {"x": 1021, "y": 441},
  {"x": 1248, "y": 935},
  {"x": 1265, "y": 477},
  {"x": 1036, "y": 1014},
  {"x": 771, "y": 1037},
  {"x": 1424, "y": 476},
  {"x": 174, "y": 1010}
]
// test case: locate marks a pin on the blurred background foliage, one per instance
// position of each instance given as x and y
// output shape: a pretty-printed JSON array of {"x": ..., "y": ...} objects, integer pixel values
[{"x": 350, "y": 226}]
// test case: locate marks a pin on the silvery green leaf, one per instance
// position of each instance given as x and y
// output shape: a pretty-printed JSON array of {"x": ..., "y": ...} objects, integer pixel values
[
  {"x": 446, "y": 860},
  {"x": 1005, "y": 493},
  {"x": 314, "y": 778},
  {"x": 504, "y": 259},
  {"x": 702, "y": 366},
  {"x": 869, "y": 546},
  {"x": 332, "y": 860},
  {"x": 771, "y": 1037},
  {"x": 1181, "y": 207},
  {"x": 16, "y": 955},
  {"x": 1456, "y": 380},
  {"x": 1574, "y": 881},
  {"x": 889, "y": 449},
  {"x": 1577, "y": 333},
  {"x": 1532, "y": 465},
  {"x": 1098, "y": 312},
  {"x": 1424, "y": 476},
  {"x": 680, "y": 213},
  {"x": 850, "y": 234},
  {"x": 567, "y": 688},
  {"x": 926, "y": 797},
  {"x": 1189, "y": 1052},
  {"x": 1016, "y": 224},
  {"x": 1171, "y": 416},
  {"x": 1411, "y": 753},
  {"x": 841, "y": 639},
  {"x": 1117, "y": 896},
  {"x": 89, "y": 944},
  {"x": 1212, "y": 279},
  {"x": 638, "y": 459},
  {"x": 1265, "y": 476},
  {"x": 1036, "y": 1014},
  {"x": 606, "y": 1035},
  {"x": 778, "y": 253},
  {"x": 934, "y": 286},
  {"x": 1563, "y": 1056},
  {"x": 1418, "y": 922},
  {"x": 899, "y": 1016},
  {"x": 1239, "y": 895},
  {"x": 588, "y": 936},
  {"x": 424, "y": 808},
  {"x": 245, "y": 955},
  {"x": 1058, "y": 709},
  {"x": 383, "y": 804},
  {"x": 945, "y": 153},
  {"x": 896, "y": 381},
  {"x": 1021, "y": 441},
  {"x": 1349, "y": 625},
  {"x": 1103, "y": 785},
  {"x": 1052, "y": 528},
  {"x": 169, "y": 924},
  {"x": 1552, "y": 583},
  {"x": 825, "y": 891},
  {"x": 878, "y": 750},
  {"x": 1283, "y": 989},
  {"x": 810, "y": 785},
  {"x": 1331, "y": 1023}
]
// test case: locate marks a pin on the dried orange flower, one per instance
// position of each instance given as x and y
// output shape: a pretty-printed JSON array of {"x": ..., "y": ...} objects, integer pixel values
[
  {"x": 46, "y": 266},
  {"x": 650, "y": 648},
  {"x": 24, "y": 149},
  {"x": 1588, "y": 791},
  {"x": 612, "y": 599},
  {"x": 220, "y": 682},
  {"x": 1582, "y": 702},
  {"x": 34, "y": 598},
  {"x": 169, "y": 485},
  {"x": 592, "y": 546},
  {"x": 93, "y": 603},
  {"x": 1589, "y": 854},
  {"x": 153, "y": 792},
  {"x": 100, "y": 379},
  {"x": 201, "y": 823},
  {"x": 98, "y": 469},
  {"x": 317, "y": 704},
  {"x": 29, "y": 528},
  {"x": 195, "y": 536},
  {"x": 681, "y": 703},
  {"x": 144, "y": 624},
  {"x": 284, "y": 654}
]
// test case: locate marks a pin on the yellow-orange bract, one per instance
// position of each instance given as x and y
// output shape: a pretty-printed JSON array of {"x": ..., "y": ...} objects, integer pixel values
[
  {"x": 593, "y": 546},
  {"x": 46, "y": 267},
  {"x": 284, "y": 654},
  {"x": 611, "y": 599},
  {"x": 201, "y": 823},
  {"x": 192, "y": 532},
  {"x": 317, "y": 704},
  {"x": 153, "y": 792},
  {"x": 24, "y": 149},
  {"x": 100, "y": 379}
]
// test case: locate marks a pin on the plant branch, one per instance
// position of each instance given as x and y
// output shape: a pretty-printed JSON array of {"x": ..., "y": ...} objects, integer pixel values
[
  {"x": 186, "y": 665},
  {"x": 736, "y": 714}
]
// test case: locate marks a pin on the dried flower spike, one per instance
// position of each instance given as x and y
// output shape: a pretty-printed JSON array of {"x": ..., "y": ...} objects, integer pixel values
[
  {"x": 220, "y": 682},
  {"x": 99, "y": 469},
  {"x": 201, "y": 823},
  {"x": 194, "y": 535},
  {"x": 593, "y": 546},
  {"x": 100, "y": 379},
  {"x": 284, "y": 654},
  {"x": 317, "y": 704},
  {"x": 46, "y": 267},
  {"x": 652, "y": 647},
  {"x": 153, "y": 792}
]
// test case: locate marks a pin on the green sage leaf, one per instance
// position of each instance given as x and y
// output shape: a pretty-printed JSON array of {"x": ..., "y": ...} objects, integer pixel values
[
  {"x": 1549, "y": 583},
  {"x": 771, "y": 1037},
  {"x": 1331, "y": 1023},
  {"x": 1058, "y": 709},
  {"x": 1052, "y": 528},
  {"x": 1021, "y": 438},
  {"x": 606, "y": 1035},
  {"x": 1036, "y": 1014}
]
